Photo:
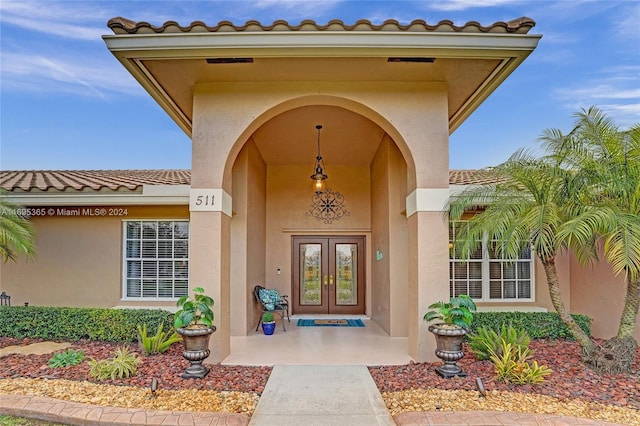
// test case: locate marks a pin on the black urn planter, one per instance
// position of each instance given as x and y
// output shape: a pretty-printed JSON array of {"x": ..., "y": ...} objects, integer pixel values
[
  {"x": 449, "y": 349},
  {"x": 196, "y": 350}
]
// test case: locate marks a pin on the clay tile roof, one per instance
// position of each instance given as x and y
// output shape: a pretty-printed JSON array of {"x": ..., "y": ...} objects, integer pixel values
[
  {"x": 96, "y": 180},
  {"x": 114, "y": 180},
  {"x": 121, "y": 25},
  {"x": 473, "y": 177}
]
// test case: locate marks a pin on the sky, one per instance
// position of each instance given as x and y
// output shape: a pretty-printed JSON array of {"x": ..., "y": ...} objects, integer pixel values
[{"x": 66, "y": 103}]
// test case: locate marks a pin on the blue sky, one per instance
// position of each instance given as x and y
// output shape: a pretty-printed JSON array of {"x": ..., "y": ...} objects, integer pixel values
[{"x": 67, "y": 103}]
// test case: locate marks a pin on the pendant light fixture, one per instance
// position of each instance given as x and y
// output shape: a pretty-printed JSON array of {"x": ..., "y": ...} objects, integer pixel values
[{"x": 319, "y": 175}]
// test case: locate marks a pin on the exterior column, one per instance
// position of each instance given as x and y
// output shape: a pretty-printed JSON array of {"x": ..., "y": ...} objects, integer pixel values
[
  {"x": 209, "y": 260},
  {"x": 428, "y": 265}
]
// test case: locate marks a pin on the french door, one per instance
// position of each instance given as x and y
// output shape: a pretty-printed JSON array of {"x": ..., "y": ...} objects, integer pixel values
[{"x": 328, "y": 275}]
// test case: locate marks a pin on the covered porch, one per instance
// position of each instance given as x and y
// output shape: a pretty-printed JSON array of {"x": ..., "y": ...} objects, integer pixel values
[
  {"x": 368, "y": 345},
  {"x": 388, "y": 97}
]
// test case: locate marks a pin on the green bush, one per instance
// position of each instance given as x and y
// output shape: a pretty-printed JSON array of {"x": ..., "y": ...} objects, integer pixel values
[
  {"x": 158, "y": 343},
  {"x": 538, "y": 325},
  {"x": 67, "y": 358},
  {"x": 124, "y": 364},
  {"x": 484, "y": 342},
  {"x": 53, "y": 323}
]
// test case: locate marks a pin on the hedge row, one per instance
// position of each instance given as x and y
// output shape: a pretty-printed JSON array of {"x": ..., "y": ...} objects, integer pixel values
[
  {"x": 120, "y": 325},
  {"x": 111, "y": 325},
  {"x": 539, "y": 325}
]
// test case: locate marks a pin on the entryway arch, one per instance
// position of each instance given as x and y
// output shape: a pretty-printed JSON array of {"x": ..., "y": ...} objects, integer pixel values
[
  {"x": 271, "y": 173},
  {"x": 244, "y": 240}
]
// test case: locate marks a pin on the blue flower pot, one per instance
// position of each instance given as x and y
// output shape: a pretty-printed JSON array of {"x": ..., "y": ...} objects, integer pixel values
[{"x": 268, "y": 327}]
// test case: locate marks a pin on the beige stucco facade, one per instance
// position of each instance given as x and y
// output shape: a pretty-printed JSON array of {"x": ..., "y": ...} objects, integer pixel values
[
  {"x": 79, "y": 258},
  {"x": 225, "y": 121},
  {"x": 385, "y": 143}
]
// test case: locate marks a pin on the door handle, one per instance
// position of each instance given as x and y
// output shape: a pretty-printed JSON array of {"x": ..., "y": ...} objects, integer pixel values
[
  {"x": 330, "y": 279},
  {"x": 325, "y": 280}
]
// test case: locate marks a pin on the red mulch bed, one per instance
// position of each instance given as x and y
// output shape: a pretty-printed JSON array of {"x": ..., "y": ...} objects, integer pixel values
[
  {"x": 166, "y": 367},
  {"x": 570, "y": 378}
]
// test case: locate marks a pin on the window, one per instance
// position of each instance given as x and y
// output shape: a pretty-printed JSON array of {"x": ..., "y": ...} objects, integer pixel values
[
  {"x": 156, "y": 259},
  {"x": 487, "y": 277}
]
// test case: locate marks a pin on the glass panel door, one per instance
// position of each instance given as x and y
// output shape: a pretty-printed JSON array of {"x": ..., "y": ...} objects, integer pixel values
[
  {"x": 328, "y": 275},
  {"x": 346, "y": 258},
  {"x": 310, "y": 274}
]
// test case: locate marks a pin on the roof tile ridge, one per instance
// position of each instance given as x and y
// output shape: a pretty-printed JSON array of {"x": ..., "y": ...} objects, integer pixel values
[{"x": 521, "y": 25}]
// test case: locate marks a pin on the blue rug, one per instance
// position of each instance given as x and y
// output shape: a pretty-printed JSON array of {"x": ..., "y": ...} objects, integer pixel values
[{"x": 330, "y": 323}]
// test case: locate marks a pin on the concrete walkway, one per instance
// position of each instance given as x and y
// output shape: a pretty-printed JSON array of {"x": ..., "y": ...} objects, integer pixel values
[{"x": 319, "y": 395}]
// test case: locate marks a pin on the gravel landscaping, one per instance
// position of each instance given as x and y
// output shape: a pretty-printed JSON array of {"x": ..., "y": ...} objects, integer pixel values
[{"x": 572, "y": 389}]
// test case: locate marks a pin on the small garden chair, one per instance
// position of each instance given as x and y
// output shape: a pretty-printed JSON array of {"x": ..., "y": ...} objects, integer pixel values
[{"x": 270, "y": 300}]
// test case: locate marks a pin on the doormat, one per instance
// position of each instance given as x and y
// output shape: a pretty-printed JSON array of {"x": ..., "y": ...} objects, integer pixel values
[{"x": 330, "y": 323}]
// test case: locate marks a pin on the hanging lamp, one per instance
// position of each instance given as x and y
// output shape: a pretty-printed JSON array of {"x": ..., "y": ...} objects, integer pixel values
[{"x": 319, "y": 176}]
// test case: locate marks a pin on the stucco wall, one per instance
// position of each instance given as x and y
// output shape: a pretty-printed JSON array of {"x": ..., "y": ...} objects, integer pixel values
[
  {"x": 389, "y": 241},
  {"x": 380, "y": 262},
  {"x": 398, "y": 243},
  {"x": 597, "y": 292},
  {"x": 248, "y": 227},
  {"x": 289, "y": 193},
  {"x": 79, "y": 260}
]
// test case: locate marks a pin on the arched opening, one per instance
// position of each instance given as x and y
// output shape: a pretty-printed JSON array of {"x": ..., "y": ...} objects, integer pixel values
[{"x": 269, "y": 169}]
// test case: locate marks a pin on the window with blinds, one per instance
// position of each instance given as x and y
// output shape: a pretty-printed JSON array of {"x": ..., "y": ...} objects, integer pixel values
[
  {"x": 156, "y": 259},
  {"x": 485, "y": 276}
]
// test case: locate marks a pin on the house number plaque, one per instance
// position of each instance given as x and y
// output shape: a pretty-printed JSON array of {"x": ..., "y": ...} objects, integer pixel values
[{"x": 209, "y": 200}]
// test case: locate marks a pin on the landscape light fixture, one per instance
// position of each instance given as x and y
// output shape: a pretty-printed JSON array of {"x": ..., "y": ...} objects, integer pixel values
[{"x": 319, "y": 175}]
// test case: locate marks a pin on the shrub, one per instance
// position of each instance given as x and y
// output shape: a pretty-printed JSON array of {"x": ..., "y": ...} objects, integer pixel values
[
  {"x": 124, "y": 364},
  {"x": 484, "y": 341},
  {"x": 194, "y": 311},
  {"x": 158, "y": 343},
  {"x": 538, "y": 325},
  {"x": 54, "y": 323},
  {"x": 457, "y": 311},
  {"x": 513, "y": 366},
  {"x": 267, "y": 317},
  {"x": 67, "y": 358}
]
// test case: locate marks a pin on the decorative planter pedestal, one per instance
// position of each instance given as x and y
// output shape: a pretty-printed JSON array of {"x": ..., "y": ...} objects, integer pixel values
[
  {"x": 449, "y": 349},
  {"x": 196, "y": 350}
]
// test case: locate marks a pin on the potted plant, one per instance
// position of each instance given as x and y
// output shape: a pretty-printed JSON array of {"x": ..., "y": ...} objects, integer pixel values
[
  {"x": 268, "y": 323},
  {"x": 456, "y": 316},
  {"x": 194, "y": 322}
]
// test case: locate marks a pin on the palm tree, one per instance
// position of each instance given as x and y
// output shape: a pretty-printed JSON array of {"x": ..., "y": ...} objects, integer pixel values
[
  {"x": 532, "y": 199},
  {"x": 607, "y": 162},
  {"x": 16, "y": 232}
]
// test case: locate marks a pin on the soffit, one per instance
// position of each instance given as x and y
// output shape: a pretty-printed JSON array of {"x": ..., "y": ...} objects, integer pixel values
[
  {"x": 177, "y": 77},
  {"x": 345, "y": 139},
  {"x": 168, "y": 60}
]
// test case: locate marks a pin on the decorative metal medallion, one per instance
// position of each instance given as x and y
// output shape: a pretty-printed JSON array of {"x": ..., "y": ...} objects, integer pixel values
[{"x": 328, "y": 206}]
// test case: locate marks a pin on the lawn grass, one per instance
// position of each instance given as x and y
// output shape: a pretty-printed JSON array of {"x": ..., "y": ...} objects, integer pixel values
[{"x": 21, "y": 421}]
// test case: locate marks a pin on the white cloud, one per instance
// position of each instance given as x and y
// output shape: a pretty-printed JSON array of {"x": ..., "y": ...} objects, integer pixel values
[
  {"x": 457, "y": 5},
  {"x": 69, "y": 20},
  {"x": 39, "y": 73},
  {"x": 614, "y": 89},
  {"x": 601, "y": 91}
]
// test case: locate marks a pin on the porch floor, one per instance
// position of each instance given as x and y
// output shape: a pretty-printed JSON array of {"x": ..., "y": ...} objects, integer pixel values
[{"x": 368, "y": 345}]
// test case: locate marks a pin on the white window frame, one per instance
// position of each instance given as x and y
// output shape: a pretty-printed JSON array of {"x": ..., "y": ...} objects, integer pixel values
[
  {"x": 485, "y": 261},
  {"x": 125, "y": 260}
]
